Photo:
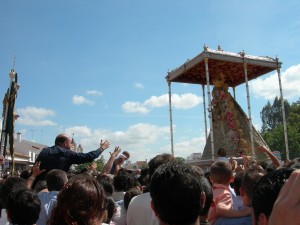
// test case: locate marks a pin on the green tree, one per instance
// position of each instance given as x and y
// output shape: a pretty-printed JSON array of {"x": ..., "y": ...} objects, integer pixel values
[
  {"x": 294, "y": 116},
  {"x": 273, "y": 132},
  {"x": 180, "y": 159},
  {"x": 271, "y": 115},
  {"x": 100, "y": 164}
]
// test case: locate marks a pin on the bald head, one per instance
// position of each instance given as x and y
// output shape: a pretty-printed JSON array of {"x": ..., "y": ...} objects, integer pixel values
[{"x": 63, "y": 141}]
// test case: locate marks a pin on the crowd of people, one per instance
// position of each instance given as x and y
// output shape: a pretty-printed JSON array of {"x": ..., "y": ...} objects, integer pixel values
[{"x": 167, "y": 192}]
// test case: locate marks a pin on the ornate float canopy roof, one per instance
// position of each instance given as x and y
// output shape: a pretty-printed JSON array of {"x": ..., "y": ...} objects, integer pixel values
[{"x": 230, "y": 64}]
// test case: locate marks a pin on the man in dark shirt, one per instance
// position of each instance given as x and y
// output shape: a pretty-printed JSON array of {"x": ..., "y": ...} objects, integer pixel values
[{"x": 61, "y": 157}]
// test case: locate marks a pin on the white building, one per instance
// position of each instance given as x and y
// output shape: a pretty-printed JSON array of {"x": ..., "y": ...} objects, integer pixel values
[{"x": 25, "y": 152}]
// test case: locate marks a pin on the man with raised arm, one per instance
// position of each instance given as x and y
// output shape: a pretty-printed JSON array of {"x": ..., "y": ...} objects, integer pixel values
[{"x": 60, "y": 156}]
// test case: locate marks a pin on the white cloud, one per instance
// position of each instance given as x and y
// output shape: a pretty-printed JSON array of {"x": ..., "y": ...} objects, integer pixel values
[
  {"x": 136, "y": 139},
  {"x": 94, "y": 92},
  {"x": 139, "y": 85},
  {"x": 268, "y": 87},
  {"x": 33, "y": 116},
  {"x": 184, "y": 101},
  {"x": 143, "y": 141},
  {"x": 157, "y": 101},
  {"x": 81, "y": 131},
  {"x": 80, "y": 100},
  {"x": 186, "y": 147},
  {"x": 134, "y": 107}
]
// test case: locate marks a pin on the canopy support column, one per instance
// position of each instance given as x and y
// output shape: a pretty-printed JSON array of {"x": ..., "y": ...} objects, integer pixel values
[
  {"x": 210, "y": 110},
  {"x": 204, "y": 111},
  {"x": 283, "y": 116},
  {"x": 249, "y": 111},
  {"x": 171, "y": 120},
  {"x": 233, "y": 89}
]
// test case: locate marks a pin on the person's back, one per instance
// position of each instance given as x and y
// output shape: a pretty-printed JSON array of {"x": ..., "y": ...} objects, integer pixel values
[
  {"x": 139, "y": 209},
  {"x": 55, "y": 179}
]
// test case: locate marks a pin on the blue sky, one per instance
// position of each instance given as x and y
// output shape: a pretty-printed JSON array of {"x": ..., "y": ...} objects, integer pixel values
[{"x": 97, "y": 68}]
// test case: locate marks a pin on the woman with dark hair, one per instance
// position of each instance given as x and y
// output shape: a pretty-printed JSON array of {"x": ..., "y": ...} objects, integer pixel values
[{"x": 81, "y": 202}]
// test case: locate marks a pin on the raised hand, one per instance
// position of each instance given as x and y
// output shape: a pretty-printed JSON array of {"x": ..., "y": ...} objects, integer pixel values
[
  {"x": 36, "y": 169},
  {"x": 104, "y": 144},
  {"x": 115, "y": 152}
]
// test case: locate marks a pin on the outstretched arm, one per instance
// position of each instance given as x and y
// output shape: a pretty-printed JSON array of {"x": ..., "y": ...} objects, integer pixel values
[
  {"x": 275, "y": 161},
  {"x": 107, "y": 167}
]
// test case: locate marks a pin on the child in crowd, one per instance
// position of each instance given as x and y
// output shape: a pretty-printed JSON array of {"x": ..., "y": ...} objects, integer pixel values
[
  {"x": 118, "y": 162},
  {"x": 222, "y": 155},
  {"x": 221, "y": 177}
]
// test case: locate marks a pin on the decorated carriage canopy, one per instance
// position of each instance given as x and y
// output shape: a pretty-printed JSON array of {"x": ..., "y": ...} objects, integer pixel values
[
  {"x": 228, "y": 63},
  {"x": 231, "y": 128}
]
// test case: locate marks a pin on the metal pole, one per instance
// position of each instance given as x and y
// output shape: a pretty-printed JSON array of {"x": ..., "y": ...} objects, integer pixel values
[
  {"x": 283, "y": 116},
  {"x": 249, "y": 112},
  {"x": 171, "y": 121},
  {"x": 204, "y": 111},
  {"x": 233, "y": 89},
  {"x": 210, "y": 111}
]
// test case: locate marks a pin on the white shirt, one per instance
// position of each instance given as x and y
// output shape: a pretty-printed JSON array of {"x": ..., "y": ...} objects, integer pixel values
[
  {"x": 118, "y": 195},
  {"x": 120, "y": 215},
  {"x": 3, "y": 219},
  {"x": 221, "y": 158},
  {"x": 48, "y": 201},
  {"x": 237, "y": 202},
  {"x": 140, "y": 212}
]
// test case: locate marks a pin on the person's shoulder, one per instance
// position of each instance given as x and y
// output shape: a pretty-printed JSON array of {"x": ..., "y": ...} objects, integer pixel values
[
  {"x": 220, "y": 187},
  {"x": 50, "y": 148},
  {"x": 222, "y": 158},
  {"x": 143, "y": 196},
  {"x": 48, "y": 195},
  {"x": 45, "y": 149},
  {"x": 140, "y": 199},
  {"x": 246, "y": 220},
  {"x": 59, "y": 150}
]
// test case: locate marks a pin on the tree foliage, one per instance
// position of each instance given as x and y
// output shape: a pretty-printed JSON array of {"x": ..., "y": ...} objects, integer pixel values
[
  {"x": 273, "y": 130},
  {"x": 100, "y": 164},
  {"x": 180, "y": 159},
  {"x": 271, "y": 115}
]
